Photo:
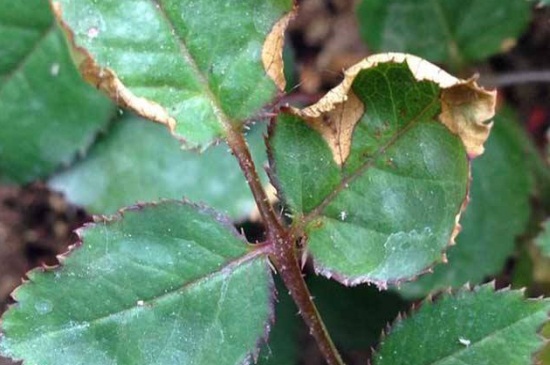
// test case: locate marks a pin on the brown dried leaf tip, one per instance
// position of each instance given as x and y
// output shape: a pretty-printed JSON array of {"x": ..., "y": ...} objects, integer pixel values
[
  {"x": 335, "y": 120},
  {"x": 465, "y": 106},
  {"x": 272, "y": 51},
  {"x": 107, "y": 81}
]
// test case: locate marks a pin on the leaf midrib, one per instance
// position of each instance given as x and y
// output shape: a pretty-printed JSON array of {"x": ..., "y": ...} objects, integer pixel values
[
  {"x": 451, "y": 39},
  {"x": 363, "y": 168},
  {"x": 484, "y": 339},
  {"x": 229, "y": 266},
  {"x": 21, "y": 64},
  {"x": 203, "y": 80}
]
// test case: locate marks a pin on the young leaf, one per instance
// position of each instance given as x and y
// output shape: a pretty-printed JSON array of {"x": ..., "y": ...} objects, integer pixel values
[
  {"x": 163, "y": 284},
  {"x": 197, "y": 67},
  {"x": 450, "y": 31},
  {"x": 543, "y": 240},
  {"x": 501, "y": 190},
  {"x": 48, "y": 112},
  {"x": 481, "y": 327},
  {"x": 376, "y": 173},
  {"x": 140, "y": 161}
]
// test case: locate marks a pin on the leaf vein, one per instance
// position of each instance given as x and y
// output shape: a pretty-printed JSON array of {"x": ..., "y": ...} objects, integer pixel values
[
  {"x": 484, "y": 339},
  {"x": 203, "y": 80},
  {"x": 229, "y": 266},
  {"x": 26, "y": 58},
  {"x": 363, "y": 168}
]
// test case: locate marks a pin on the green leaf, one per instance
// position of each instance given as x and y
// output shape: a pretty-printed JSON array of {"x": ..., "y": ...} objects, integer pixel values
[
  {"x": 200, "y": 68},
  {"x": 500, "y": 192},
  {"x": 482, "y": 327},
  {"x": 140, "y": 161},
  {"x": 48, "y": 112},
  {"x": 376, "y": 182},
  {"x": 447, "y": 31},
  {"x": 162, "y": 284},
  {"x": 356, "y": 316},
  {"x": 282, "y": 348},
  {"x": 543, "y": 240}
]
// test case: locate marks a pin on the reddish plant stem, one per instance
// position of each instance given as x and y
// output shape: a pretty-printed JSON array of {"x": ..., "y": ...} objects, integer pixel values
[
  {"x": 239, "y": 147},
  {"x": 283, "y": 251},
  {"x": 288, "y": 267}
]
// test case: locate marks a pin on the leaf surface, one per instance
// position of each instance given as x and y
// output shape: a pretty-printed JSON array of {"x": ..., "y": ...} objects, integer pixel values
[
  {"x": 197, "y": 67},
  {"x": 48, "y": 112},
  {"x": 448, "y": 31},
  {"x": 500, "y": 192},
  {"x": 162, "y": 284},
  {"x": 376, "y": 172},
  {"x": 140, "y": 161},
  {"x": 482, "y": 327}
]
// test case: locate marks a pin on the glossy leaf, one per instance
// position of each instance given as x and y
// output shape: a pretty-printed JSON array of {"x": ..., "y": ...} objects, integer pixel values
[
  {"x": 196, "y": 66},
  {"x": 163, "y": 284},
  {"x": 500, "y": 192},
  {"x": 447, "y": 31},
  {"x": 482, "y": 327},
  {"x": 48, "y": 112},
  {"x": 376, "y": 182},
  {"x": 140, "y": 161},
  {"x": 356, "y": 316}
]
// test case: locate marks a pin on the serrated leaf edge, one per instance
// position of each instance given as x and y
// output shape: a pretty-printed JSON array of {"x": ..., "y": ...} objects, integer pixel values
[
  {"x": 268, "y": 325},
  {"x": 299, "y": 234},
  {"x": 383, "y": 285},
  {"x": 252, "y": 253},
  {"x": 450, "y": 291}
]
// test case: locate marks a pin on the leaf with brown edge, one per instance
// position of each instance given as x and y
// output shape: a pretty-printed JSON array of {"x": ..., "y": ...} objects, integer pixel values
[
  {"x": 272, "y": 52},
  {"x": 199, "y": 68},
  {"x": 465, "y": 106},
  {"x": 377, "y": 172},
  {"x": 501, "y": 191}
]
